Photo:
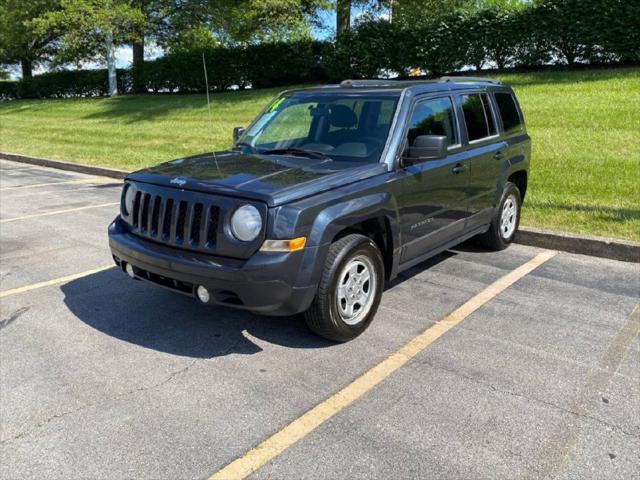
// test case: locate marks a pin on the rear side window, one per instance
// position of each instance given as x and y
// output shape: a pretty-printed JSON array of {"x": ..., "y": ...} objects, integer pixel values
[
  {"x": 509, "y": 112},
  {"x": 478, "y": 116}
]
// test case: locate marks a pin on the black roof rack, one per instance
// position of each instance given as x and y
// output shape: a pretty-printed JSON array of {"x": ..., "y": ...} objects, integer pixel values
[{"x": 469, "y": 79}]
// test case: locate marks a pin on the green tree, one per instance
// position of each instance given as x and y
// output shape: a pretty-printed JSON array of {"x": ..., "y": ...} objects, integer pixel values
[
  {"x": 20, "y": 43},
  {"x": 90, "y": 30},
  {"x": 413, "y": 13},
  {"x": 343, "y": 17}
]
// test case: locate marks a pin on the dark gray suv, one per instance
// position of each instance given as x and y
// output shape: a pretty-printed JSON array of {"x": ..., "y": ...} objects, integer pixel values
[{"x": 327, "y": 195}]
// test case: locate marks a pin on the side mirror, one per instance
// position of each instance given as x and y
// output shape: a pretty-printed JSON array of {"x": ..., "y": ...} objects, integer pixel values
[
  {"x": 237, "y": 133},
  {"x": 426, "y": 147}
]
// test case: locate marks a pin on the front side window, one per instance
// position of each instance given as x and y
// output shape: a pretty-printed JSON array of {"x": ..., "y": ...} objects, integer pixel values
[
  {"x": 434, "y": 117},
  {"x": 509, "y": 112},
  {"x": 478, "y": 116},
  {"x": 342, "y": 127}
]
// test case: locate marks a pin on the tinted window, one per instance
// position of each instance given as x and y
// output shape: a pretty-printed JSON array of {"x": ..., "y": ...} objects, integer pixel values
[
  {"x": 478, "y": 116},
  {"x": 508, "y": 112},
  {"x": 434, "y": 117}
]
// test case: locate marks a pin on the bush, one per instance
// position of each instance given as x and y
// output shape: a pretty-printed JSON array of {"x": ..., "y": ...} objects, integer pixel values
[
  {"x": 8, "y": 90},
  {"x": 71, "y": 83},
  {"x": 263, "y": 65}
]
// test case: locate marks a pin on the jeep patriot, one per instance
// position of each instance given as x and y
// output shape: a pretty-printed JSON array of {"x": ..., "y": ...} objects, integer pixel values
[{"x": 328, "y": 194}]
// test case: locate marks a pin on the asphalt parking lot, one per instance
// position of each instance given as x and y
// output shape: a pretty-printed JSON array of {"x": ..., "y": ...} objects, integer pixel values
[{"x": 105, "y": 377}]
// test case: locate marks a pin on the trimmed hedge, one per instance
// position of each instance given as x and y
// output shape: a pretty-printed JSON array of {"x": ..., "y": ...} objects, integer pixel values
[
  {"x": 66, "y": 84},
  {"x": 264, "y": 65},
  {"x": 558, "y": 32},
  {"x": 549, "y": 32}
]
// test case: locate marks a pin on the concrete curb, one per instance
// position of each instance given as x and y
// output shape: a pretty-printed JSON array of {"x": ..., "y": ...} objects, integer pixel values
[
  {"x": 585, "y": 245},
  {"x": 567, "y": 242},
  {"x": 72, "y": 167}
]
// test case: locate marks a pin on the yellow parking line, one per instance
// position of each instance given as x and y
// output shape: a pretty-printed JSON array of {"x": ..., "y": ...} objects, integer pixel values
[
  {"x": 55, "y": 281},
  {"x": 302, "y": 426},
  {"x": 68, "y": 182},
  {"x": 57, "y": 212}
]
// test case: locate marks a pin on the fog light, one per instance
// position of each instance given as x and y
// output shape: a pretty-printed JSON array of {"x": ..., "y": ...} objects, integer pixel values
[
  {"x": 129, "y": 269},
  {"x": 203, "y": 294}
]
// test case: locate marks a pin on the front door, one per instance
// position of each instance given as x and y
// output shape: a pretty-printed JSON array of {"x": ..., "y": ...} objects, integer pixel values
[{"x": 433, "y": 203}]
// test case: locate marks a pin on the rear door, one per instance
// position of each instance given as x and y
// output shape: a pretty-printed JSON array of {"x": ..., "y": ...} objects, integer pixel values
[
  {"x": 486, "y": 151},
  {"x": 433, "y": 203}
]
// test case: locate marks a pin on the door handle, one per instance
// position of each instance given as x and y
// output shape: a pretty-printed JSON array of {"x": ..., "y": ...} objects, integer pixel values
[
  {"x": 459, "y": 168},
  {"x": 499, "y": 155}
]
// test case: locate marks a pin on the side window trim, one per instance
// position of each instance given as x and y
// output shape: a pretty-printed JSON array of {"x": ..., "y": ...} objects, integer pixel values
[{"x": 425, "y": 98}]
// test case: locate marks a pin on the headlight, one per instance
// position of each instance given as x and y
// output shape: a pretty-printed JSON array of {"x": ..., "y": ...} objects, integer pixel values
[
  {"x": 129, "y": 199},
  {"x": 246, "y": 223}
]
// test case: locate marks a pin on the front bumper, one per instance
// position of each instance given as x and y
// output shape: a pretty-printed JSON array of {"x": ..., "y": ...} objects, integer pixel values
[{"x": 266, "y": 283}]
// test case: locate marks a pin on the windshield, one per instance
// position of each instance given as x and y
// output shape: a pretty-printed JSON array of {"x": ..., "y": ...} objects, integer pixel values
[{"x": 340, "y": 127}]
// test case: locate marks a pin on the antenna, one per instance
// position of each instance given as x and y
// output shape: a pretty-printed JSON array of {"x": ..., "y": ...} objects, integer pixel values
[{"x": 206, "y": 81}]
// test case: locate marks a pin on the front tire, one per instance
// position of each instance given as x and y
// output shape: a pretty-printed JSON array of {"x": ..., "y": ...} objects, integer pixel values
[
  {"x": 505, "y": 223},
  {"x": 349, "y": 291}
]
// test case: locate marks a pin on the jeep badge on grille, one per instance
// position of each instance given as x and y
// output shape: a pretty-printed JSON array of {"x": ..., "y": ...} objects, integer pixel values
[{"x": 178, "y": 181}]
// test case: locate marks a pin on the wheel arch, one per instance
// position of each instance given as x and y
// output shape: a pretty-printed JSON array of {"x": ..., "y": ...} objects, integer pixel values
[
  {"x": 374, "y": 216},
  {"x": 519, "y": 178}
]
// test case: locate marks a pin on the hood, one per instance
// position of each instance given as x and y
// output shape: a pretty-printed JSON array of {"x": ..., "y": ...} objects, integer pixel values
[{"x": 273, "y": 179}]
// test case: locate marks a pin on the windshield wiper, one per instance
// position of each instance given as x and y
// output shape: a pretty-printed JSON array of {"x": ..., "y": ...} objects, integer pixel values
[{"x": 297, "y": 152}]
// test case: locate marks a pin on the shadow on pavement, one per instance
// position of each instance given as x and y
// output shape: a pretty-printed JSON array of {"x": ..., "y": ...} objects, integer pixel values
[
  {"x": 158, "y": 319},
  {"x": 145, "y": 315}
]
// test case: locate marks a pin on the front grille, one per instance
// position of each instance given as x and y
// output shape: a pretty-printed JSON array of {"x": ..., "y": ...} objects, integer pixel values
[{"x": 175, "y": 221}]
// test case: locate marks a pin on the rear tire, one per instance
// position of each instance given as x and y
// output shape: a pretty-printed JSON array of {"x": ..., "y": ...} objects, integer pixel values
[
  {"x": 505, "y": 223},
  {"x": 349, "y": 291}
]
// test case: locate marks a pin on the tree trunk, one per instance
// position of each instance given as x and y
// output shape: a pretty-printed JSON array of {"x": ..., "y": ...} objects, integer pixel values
[
  {"x": 138, "y": 65},
  {"x": 27, "y": 69},
  {"x": 343, "y": 17},
  {"x": 111, "y": 65}
]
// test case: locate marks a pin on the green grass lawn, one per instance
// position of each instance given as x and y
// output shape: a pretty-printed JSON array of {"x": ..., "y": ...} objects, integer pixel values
[{"x": 585, "y": 175}]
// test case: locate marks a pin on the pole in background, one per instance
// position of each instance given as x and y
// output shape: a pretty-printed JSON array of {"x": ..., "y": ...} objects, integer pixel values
[{"x": 111, "y": 65}]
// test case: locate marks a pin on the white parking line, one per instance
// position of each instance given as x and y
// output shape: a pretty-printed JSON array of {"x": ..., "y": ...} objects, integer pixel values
[
  {"x": 57, "y": 212},
  {"x": 55, "y": 281},
  {"x": 67, "y": 182}
]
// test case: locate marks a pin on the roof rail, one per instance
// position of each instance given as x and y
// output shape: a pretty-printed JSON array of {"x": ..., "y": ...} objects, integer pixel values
[
  {"x": 367, "y": 83},
  {"x": 469, "y": 79}
]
